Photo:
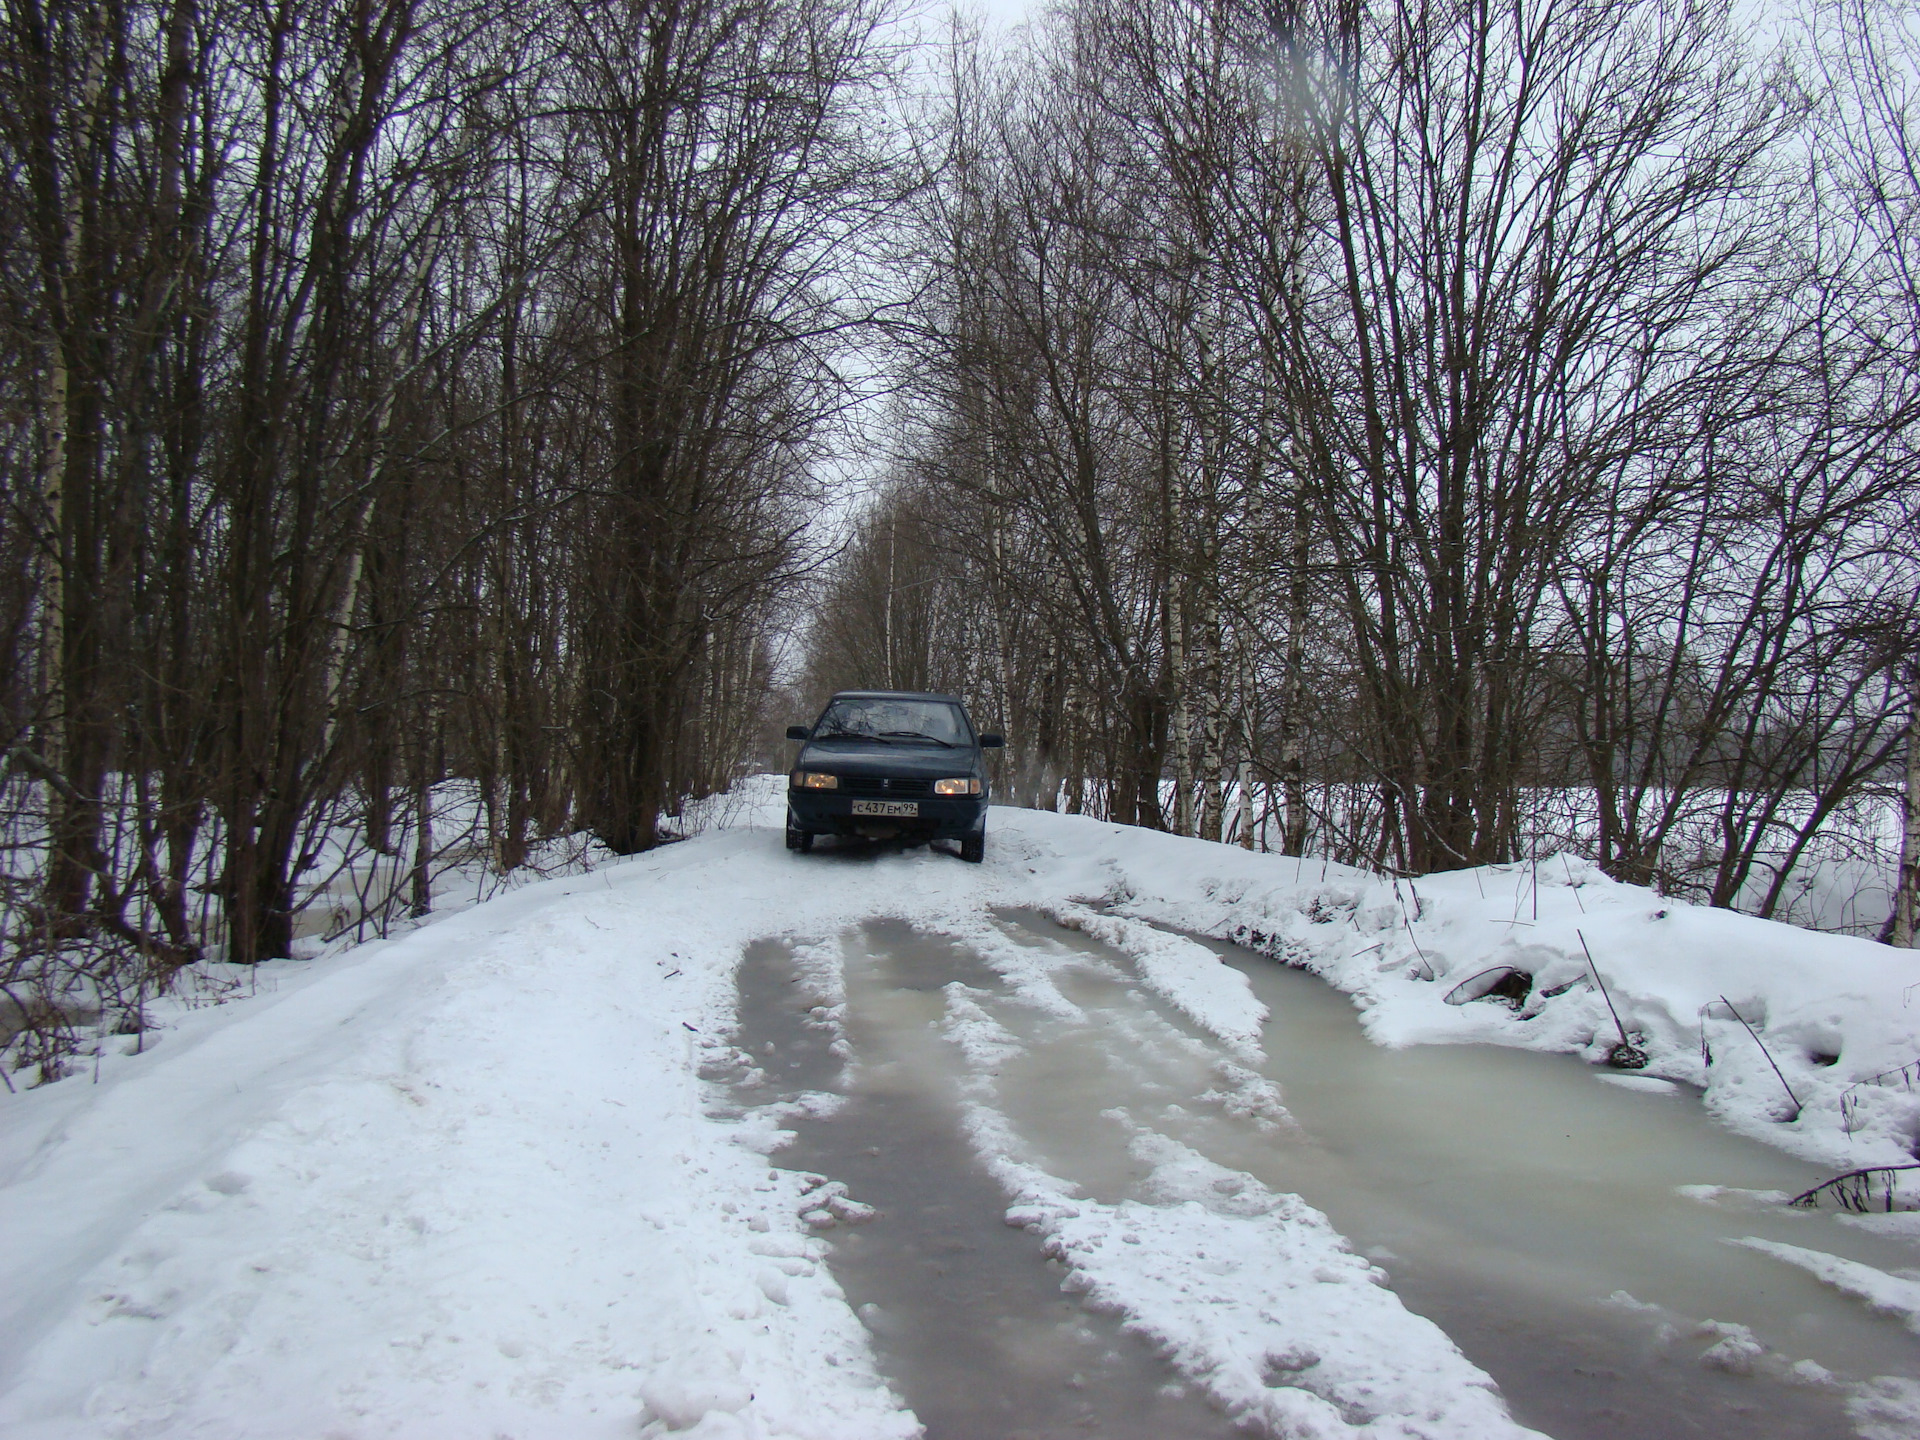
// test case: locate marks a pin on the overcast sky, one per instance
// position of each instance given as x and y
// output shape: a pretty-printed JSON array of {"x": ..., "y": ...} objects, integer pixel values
[{"x": 1006, "y": 13}]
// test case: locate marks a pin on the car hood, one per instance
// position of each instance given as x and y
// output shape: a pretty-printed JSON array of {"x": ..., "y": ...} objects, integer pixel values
[{"x": 846, "y": 757}]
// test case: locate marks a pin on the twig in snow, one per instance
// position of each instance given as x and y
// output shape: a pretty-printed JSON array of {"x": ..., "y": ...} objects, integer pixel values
[
  {"x": 1907, "y": 1074},
  {"x": 1511, "y": 989},
  {"x": 1626, "y": 1055},
  {"x": 1854, "y": 1190},
  {"x": 1425, "y": 963},
  {"x": 1565, "y": 865},
  {"x": 1797, "y": 1106}
]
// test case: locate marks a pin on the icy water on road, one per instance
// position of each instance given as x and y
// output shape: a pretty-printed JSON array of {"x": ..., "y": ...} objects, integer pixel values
[
  {"x": 1520, "y": 1201},
  {"x": 1511, "y": 1197},
  {"x": 1521, "y": 1192},
  {"x": 968, "y": 1317}
]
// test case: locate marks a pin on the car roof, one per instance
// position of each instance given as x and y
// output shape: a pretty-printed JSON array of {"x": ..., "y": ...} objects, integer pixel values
[{"x": 893, "y": 695}]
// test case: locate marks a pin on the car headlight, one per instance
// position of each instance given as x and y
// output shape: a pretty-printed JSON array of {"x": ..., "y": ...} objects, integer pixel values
[
  {"x": 965, "y": 786},
  {"x": 815, "y": 780}
]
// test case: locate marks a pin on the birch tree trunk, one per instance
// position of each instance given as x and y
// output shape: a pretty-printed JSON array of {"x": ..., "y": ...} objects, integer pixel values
[
  {"x": 1906, "y": 897},
  {"x": 1213, "y": 800},
  {"x": 1243, "y": 799},
  {"x": 1294, "y": 699},
  {"x": 1182, "y": 710}
]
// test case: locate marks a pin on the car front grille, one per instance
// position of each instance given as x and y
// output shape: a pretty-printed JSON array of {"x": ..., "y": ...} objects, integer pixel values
[{"x": 884, "y": 785}]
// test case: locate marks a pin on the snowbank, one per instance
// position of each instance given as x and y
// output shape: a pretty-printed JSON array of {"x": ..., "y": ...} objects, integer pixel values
[
  {"x": 1806, "y": 1041},
  {"x": 459, "y": 1183}
]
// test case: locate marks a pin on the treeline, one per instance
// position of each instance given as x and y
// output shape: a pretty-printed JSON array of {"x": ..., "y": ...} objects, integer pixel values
[
  {"x": 397, "y": 392},
  {"x": 1418, "y": 434},
  {"x": 1423, "y": 434}
]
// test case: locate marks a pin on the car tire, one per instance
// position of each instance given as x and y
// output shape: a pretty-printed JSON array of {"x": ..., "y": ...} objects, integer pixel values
[
  {"x": 801, "y": 840},
  {"x": 973, "y": 848}
]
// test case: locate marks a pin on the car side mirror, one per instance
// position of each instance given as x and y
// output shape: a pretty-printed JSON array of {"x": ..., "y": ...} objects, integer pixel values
[
  {"x": 796, "y": 732},
  {"x": 992, "y": 742}
]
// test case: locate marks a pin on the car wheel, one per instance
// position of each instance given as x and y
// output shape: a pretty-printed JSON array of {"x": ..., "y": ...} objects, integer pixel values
[
  {"x": 801, "y": 840},
  {"x": 973, "y": 848}
]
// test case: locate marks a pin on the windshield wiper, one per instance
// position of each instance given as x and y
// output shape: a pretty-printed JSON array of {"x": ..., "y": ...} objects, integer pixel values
[
  {"x": 842, "y": 735},
  {"x": 916, "y": 735}
]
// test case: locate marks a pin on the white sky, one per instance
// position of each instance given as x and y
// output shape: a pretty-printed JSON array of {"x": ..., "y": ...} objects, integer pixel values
[
  {"x": 1001, "y": 14},
  {"x": 1006, "y": 13}
]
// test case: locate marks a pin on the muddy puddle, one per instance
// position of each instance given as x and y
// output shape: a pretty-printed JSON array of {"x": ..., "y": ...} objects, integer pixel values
[{"x": 1531, "y": 1209}]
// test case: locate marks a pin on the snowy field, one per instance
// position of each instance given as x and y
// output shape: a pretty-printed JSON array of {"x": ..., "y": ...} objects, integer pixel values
[{"x": 470, "y": 1182}]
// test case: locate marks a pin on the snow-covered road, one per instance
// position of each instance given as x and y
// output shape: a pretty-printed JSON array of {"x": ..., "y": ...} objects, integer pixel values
[{"x": 472, "y": 1182}]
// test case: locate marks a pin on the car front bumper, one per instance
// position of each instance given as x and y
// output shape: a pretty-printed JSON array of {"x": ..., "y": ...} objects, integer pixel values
[{"x": 944, "y": 817}]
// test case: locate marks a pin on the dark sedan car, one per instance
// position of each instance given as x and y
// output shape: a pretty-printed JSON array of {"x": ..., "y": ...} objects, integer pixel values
[{"x": 890, "y": 764}]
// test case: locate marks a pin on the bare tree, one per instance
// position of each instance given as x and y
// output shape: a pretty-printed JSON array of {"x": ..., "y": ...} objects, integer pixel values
[
  {"x": 1865, "y": 173},
  {"x": 1472, "y": 448},
  {"x": 411, "y": 422},
  {"x": 728, "y": 179}
]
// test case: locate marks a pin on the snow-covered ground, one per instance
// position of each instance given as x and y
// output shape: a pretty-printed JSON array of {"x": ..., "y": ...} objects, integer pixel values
[{"x": 469, "y": 1181}]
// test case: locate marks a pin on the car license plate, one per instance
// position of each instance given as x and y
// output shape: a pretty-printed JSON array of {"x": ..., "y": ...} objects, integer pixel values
[{"x": 907, "y": 809}]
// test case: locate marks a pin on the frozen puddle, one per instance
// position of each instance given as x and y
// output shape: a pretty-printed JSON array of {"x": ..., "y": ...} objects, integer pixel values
[{"x": 1528, "y": 1208}]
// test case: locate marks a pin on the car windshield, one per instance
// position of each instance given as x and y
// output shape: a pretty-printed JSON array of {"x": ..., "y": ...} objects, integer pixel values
[{"x": 884, "y": 718}]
